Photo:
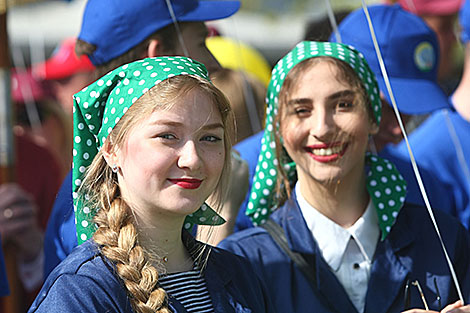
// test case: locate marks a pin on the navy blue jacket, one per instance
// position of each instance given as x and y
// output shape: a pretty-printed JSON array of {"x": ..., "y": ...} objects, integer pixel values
[
  {"x": 4, "y": 289},
  {"x": 410, "y": 251},
  {"x": 85, "y": 282}
]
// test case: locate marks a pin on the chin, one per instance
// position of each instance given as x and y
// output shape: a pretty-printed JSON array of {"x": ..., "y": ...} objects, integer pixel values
[{"x": 326, "y": 176}]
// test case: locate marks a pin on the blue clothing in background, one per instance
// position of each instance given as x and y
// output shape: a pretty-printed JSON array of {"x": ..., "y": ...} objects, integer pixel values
[
  {"x": 85, "y": 282},
  {"x": 60, "y": 237},
  {"x": 410, "y": 252},
  {"x": 438, "y": 192},
  {"x": 249, "y": 149},
  {"x": 4, "y": 290},
  {"x": 434, "y": 150}
]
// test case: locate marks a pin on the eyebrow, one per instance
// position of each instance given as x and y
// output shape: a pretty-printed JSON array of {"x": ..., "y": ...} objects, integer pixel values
[
  {"x": 334, "y": 96},
  {"x": 179, "y": 124}
]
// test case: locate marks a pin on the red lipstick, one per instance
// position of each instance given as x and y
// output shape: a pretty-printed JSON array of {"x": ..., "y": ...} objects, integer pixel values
[
  {"x": 326, "y": 152},
  {"x": 187, "y": 183}
]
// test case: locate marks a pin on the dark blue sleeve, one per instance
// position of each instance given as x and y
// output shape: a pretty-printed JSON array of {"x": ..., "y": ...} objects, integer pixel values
[
  {"x": 4, "y": 290},
  {"x": 75, "y": 293},
  {"x": 60, "y": 237}
]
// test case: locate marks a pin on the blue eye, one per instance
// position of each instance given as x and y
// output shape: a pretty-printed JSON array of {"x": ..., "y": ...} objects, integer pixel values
[
  {"x": 211, "y": 138},
  {"x": 167, "y": 136}
]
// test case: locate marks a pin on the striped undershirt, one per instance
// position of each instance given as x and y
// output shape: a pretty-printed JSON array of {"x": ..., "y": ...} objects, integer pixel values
[{"x": 190, "y": 289}]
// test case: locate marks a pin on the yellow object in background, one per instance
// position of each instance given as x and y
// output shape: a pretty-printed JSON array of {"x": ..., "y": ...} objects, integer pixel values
[{"x": 236, "y": 55}]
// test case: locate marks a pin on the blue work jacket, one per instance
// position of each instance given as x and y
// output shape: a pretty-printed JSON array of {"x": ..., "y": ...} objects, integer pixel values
[
  {"x": 85, "y": 282},
  {"x": 410, "y": 252}
]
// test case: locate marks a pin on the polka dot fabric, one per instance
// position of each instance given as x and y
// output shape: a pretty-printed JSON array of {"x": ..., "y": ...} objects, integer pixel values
[
  {"x": 387, "y": 189},
  {"x": 262, "y": 196},
  {"x": 100, "y": 106}
]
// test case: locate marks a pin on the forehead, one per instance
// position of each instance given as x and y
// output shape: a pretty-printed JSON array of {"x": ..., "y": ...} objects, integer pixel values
[
  {"x": 193, "y": 105},
  {"x": 319, "y": 75}
]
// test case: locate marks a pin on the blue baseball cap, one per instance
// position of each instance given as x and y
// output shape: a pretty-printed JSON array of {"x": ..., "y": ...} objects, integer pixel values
[
  {"x": 464, "y": 18},
  {"x": 410, "y": 51},
  {"x": 116, "y": 26}
]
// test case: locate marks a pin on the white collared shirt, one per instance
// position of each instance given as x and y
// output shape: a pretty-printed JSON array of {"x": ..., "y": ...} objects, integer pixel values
[{"x": 348, "y": 252}]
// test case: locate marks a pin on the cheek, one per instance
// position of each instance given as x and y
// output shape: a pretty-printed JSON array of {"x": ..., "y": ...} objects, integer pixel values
[
  {"x": 292, "y": 133},
  {"x": 359, "y": 128},
  {"x": 215, "y": 163},
  {"x": 143, "y": 159}
]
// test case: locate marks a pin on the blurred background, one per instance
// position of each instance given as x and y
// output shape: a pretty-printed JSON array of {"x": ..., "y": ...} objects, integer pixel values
[{"x": 270, "y": 26}]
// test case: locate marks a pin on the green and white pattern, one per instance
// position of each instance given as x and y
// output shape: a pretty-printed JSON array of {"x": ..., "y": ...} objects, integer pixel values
[
  {"x": 384, "y": 183},
  {"x": 100, "y": 106}
]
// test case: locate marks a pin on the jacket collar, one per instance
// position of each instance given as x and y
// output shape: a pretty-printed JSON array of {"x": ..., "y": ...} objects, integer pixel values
[
  {"x": 216, "y": 273},
  {"x": 388, "y": 274}
]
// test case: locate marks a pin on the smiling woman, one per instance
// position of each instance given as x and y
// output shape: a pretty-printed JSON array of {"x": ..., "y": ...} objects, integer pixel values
[
  {"x": 152, "y": 141},
  {"x": 341, "y": 237}
]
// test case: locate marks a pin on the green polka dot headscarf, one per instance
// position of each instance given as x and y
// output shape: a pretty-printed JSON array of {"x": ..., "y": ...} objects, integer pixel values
[
  {"x": 385, "y": 185},
  {"x": 100, "y": 106}
]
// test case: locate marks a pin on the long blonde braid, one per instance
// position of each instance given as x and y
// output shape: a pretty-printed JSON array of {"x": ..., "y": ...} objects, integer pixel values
[{"x": 117, "y": 237}]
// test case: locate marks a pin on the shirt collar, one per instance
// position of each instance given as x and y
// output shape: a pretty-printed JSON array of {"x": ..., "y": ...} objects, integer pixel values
[{"x": 365, "y": 232}]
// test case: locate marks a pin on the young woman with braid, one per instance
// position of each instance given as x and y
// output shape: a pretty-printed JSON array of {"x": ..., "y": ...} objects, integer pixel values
[
  {"x": 151, "y": 143},
  {"x": 355, "y": 245}
]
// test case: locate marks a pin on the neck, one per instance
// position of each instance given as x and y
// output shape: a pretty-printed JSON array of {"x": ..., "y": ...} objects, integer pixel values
[
  {"x": 461, "y": 96},
  {"x": 343, "y": 201},
  {"x": 162, "y": 238}
]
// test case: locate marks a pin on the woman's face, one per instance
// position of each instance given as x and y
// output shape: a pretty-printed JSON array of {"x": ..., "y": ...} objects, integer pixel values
[
  {"x": 324, "y": 127},
  {"x": 172, "y": 160}
]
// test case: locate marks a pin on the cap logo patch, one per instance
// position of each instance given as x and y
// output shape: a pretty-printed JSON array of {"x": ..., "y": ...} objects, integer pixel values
[{"x": 424, "y": 56}]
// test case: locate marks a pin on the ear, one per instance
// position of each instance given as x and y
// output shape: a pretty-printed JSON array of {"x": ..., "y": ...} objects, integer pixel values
[
  {"x": 154, "y": 48},
  {"x": 110, "y": 154},
  {"x": 374, "y": 128}
]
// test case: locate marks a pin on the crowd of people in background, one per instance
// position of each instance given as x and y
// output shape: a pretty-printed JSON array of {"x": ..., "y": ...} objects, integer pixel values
[{"x": 163, "y": 167}]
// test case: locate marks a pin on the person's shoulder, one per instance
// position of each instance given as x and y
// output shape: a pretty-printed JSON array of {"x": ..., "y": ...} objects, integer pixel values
[
  {"x": 244, "y": 237},
  {"x": 80, "y": 260},
  {"x": 418, "y": 218},
  {"x": 435, "y": 124},
  {"x": 84, "y": 277}
]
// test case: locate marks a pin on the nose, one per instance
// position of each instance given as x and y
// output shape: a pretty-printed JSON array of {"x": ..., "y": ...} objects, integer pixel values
[
  {"x": 321, "y": 123},
  {"x": 189, "y": 156}
]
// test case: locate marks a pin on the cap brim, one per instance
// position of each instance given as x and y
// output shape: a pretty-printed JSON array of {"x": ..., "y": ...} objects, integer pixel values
[
  {"x": 415, "y": 96},
  {"x": 210, "y": 10}
]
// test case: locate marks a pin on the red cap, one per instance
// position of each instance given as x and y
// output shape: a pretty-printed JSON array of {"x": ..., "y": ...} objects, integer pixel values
[
  {"x": 431, "y": 7},
  {"x": 64, "y": 63}
]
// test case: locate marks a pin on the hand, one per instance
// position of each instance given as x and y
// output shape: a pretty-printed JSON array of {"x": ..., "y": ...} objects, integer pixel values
[
  {"x": 455, "y": 307},
  {"x": 18, "y": 221}
]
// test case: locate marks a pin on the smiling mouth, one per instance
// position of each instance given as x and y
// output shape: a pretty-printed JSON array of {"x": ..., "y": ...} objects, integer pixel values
[
  {"x": 187, "y": 183},
  {"x": 327, "y": 152}
]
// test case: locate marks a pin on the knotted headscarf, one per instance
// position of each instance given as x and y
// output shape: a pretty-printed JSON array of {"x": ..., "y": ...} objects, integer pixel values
[
  {"x": 100, "y": 106},
  {"x": 385, "y": 185}
]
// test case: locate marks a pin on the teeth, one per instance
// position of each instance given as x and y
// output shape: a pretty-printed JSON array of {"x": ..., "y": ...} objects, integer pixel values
[{"x": 327, "y": 151}]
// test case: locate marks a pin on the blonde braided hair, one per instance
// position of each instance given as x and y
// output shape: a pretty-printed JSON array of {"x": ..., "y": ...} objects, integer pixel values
[{"x": 117, "y": 233}]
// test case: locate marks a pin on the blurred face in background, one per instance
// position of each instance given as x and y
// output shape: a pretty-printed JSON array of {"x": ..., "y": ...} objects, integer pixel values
[
  {"x": 389, "y": 130},
  {"x": 65, "y": 88}
]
